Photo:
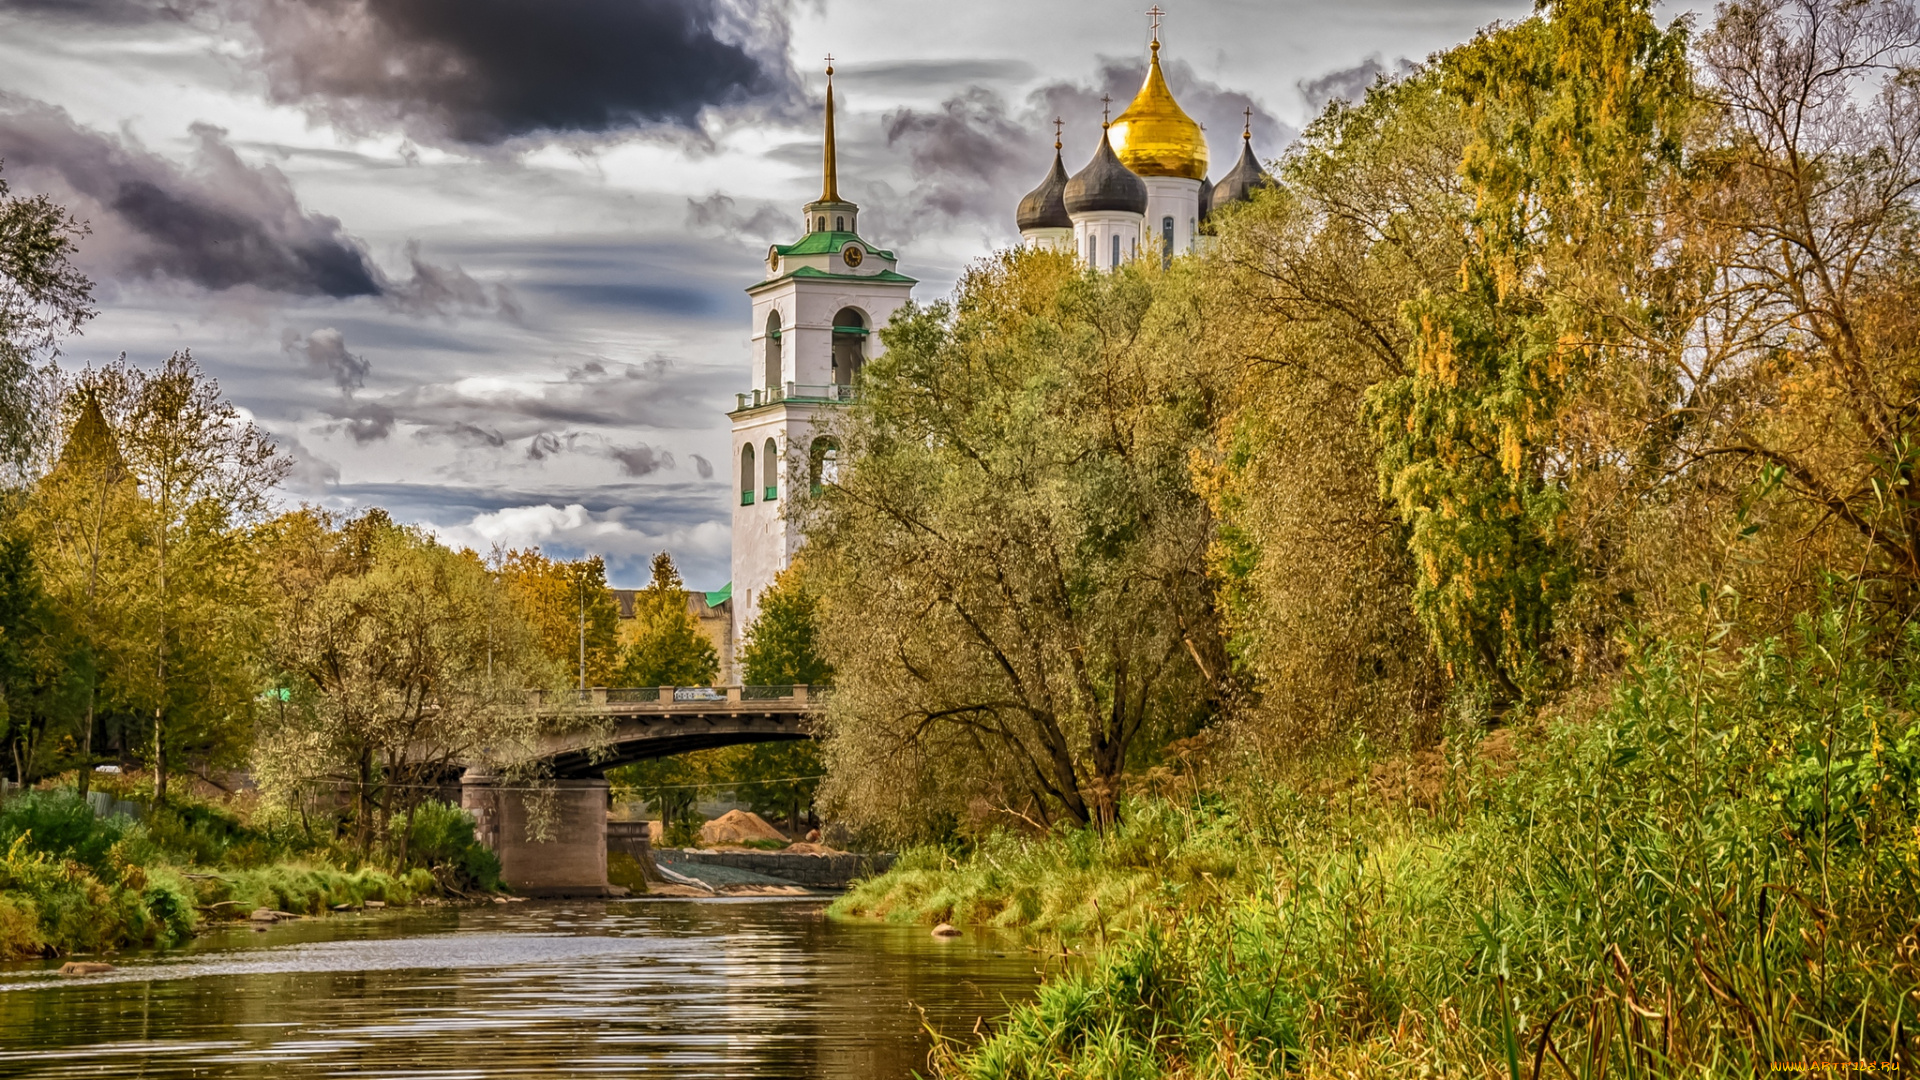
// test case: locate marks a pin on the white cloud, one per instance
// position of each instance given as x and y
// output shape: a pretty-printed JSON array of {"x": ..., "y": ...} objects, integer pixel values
[{"x": 622, "y": 536}]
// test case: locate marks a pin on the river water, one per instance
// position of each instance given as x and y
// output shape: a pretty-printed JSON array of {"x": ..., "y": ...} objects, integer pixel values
[{"x": 681, "y": 988}]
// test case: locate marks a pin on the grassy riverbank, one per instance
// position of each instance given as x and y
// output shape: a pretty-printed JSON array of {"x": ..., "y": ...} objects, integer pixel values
[
  {"x": 1712, "y": 872},
  {"x": 71, "y": 881}
]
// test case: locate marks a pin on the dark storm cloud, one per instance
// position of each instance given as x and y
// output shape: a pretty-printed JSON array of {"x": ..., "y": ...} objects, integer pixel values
[
  {"x": 481, "y": 72},
  {"x": 217, "y": 223},
  {"x": 1351, "y": 84},
  {"x": 974, "y": 156},
  {"x": 325, "y": 352}
]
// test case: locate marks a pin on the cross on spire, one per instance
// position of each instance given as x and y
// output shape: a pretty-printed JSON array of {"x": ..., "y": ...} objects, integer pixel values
[
  {"x": 1248, "y": 132},
  {"x": 1106, "y": 107},
  {"x": 829, "y": 65},
  {"x": 1154, "y": 15},
  {"x": 1057, "y": 123}
]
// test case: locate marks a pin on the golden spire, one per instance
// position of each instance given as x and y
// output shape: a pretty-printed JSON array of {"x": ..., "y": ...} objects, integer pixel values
[
  {"x": 830, "y": 188},
  {"x": 1154, "y": 136}
]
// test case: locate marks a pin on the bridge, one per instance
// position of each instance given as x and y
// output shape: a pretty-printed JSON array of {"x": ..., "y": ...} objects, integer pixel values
[{"x": 613, "y": 727}]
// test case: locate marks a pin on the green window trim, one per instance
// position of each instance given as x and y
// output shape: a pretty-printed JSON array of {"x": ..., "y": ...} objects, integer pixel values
[
  {"x": 855, "y": 331},
  {"x": 746, "y": 497},
  {"x": 770, "y": 494}
]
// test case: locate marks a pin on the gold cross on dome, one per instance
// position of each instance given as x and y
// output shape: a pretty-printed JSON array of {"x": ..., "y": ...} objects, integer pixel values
[
  {"x": 1057, "y": 123},
  {"x": 1154, "y": 15},
  {"x": 1248, "y": 133},
  {"x": 1106, "y": 107},
  {"x": 829, "y": 63}
]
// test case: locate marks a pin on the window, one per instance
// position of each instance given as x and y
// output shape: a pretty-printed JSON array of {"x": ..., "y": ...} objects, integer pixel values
[
  {"x": 770, "y": 470},
  {"x": 1166, "y": 241},
  {"x": 1116, "y": 250},
  {"x": 849, "y": 345},
  {"x": 823, "y": 463},
  {"x": 772, "y": 372},
  {"x": 1089, "y": 249},
  {"x": 746, "y": 475},
  {"x": 820, "y": 226},
  {"x": 839, "y": 224}
]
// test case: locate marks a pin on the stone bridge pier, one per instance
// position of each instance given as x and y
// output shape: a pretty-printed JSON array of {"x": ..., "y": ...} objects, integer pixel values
[{"x": 572, "y": 861}]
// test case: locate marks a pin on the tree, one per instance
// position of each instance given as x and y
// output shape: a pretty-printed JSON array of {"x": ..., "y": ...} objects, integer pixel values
[
  {"x": 1012, "y": 563},
  {"x": 43, "y": 298},
  {"x": 85, "y": 515},
  {"x": 572, "y": 610},
  {"x": 400, "y": 658},
  {"x": 781, "y": 646},
  {"x": 1573, "y": 120},
  {"x": 781, "y": 650},
  {"x": 666, "y": 647},
  {"x": 189, "y": 628}
]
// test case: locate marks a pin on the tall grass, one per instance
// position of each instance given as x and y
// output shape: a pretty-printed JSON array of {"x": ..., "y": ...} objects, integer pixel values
[{"x": 1714, "y": 875}]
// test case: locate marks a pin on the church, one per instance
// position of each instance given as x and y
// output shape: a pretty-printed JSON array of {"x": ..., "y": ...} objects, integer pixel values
[{"x": 816, "y": 314}]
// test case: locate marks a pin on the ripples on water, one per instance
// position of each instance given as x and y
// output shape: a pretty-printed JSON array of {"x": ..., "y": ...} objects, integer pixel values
[{"x": 645, "y": 988}]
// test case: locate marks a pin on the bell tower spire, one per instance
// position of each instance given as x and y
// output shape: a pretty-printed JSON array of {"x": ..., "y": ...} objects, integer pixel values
[
  {"x": 830, "y": 212},
  {"x": 830, "y": 185}
]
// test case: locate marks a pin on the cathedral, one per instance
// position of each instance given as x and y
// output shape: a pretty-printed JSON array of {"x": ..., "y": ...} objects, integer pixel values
[{"x": 816, "y": 314}]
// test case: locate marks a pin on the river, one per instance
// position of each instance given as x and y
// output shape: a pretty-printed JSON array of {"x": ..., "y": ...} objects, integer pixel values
[{"x": 655, "y": 987}]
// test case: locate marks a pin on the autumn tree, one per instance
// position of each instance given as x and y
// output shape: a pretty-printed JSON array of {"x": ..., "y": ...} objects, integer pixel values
[
  {"x": 1012, "y": 562},
  {"x": 571, "y": 609},
  {"x": 665, "y": 646},
  {"x": 401, "y": 657},
  {"x": 781, "y": 649}
]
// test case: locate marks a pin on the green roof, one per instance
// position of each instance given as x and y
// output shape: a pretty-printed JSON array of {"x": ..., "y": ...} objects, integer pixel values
[
  {"x": 826, "y": 243},
  {"x": 720, "y": 596},
  {"x": 809, "y": 272}
]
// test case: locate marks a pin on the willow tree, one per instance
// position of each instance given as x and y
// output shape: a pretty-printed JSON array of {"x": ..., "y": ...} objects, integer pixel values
[{"x": 1011, "y": 566}]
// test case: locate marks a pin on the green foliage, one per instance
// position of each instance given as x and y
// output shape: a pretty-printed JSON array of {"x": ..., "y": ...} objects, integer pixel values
[
  {"x": 442, "y": 841},
  {"x": 1687, "y": 852},
  {"x": 782, "y": 647},
  {"x": 667, "y": 647},
  {"x": 63, "y": 826},
  {"x": 43, "y": 299}
]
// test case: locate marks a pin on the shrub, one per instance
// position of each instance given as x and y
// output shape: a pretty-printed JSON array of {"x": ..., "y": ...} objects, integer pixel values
[{"x": 440, "y": 839}]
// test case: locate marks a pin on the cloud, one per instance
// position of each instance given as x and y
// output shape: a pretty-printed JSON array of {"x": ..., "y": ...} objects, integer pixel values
[
  {"x": 105, "y": 12},
  {"x": 325, "y": 352},
  {"x": 481, "y": 72},
  {"x": 1351, "y": 83},
  {"x": 720, "y": 214},
  {"x": 622, "y": 535},
  {"x": 309, "y": 474},
  {"x": 216, "y": 223},
  {"x": 641, "y": 459},
  {"x": 495, "y": 411},
  {"x": 702, "y": 466}
]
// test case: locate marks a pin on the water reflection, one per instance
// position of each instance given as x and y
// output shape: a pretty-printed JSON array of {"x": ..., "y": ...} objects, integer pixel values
[{"x": 648, "y": 988}]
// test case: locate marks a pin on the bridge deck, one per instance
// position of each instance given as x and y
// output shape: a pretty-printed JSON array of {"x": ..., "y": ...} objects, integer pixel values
[{"x": 652, "y": 722}]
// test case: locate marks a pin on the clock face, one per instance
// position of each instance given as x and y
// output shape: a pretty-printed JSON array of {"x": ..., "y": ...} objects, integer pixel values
[{"x": 851, "y": 254}]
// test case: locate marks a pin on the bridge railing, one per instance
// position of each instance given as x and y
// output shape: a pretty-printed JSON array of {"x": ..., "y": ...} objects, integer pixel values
[{"x": 597, "y": 696}]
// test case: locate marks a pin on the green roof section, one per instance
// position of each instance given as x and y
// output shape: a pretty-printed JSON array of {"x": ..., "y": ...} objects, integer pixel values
[
  {"x": 720, "y": 595},
  {"x": 888, "y": 276},
  {"x": 826, "y": 243}
]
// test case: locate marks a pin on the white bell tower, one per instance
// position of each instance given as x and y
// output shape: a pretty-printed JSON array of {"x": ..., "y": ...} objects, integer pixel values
[{"x": 815, "y": 324}]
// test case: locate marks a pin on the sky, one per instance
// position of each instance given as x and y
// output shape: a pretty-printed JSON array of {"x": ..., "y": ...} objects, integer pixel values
[{"x": 481, "y": 262}]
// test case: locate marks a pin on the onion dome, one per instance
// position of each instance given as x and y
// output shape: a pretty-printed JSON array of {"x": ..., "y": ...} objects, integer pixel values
[
  {"x": 1154, "y": 136},
  {"x": 1238, "y": 185},
  {"x": 1105, "y": 184},
  {"x": 1206, "y": 198},
  {"x": 1045, "y": 207}
]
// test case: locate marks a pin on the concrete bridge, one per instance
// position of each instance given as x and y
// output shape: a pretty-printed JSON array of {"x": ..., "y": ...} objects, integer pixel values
[{"x": 619, "y": 727}]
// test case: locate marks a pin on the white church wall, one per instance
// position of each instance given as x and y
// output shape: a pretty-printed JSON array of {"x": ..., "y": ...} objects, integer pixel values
[
  {"x": 1175, "y": 200},
  {"x": 1095, "y": 233}
]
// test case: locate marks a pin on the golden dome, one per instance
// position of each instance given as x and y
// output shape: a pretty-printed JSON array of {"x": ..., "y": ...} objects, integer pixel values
[{"x": 1154, "y": 137}]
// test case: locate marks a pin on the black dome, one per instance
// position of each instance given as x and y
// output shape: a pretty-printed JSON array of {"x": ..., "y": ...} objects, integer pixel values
[
  {"x": 1045, "y": 207},
  {"x": 1238, "y": 185},
  {"x": 1206, "y": 199},
  {"x": 1105, "y": 184}
]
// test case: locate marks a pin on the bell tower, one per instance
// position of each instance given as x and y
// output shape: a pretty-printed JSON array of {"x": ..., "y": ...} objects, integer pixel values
[{"x": 814, "y": 325}]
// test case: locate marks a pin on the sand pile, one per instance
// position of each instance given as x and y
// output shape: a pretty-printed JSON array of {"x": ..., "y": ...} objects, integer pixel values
[{"x": 738, "y": 827}]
